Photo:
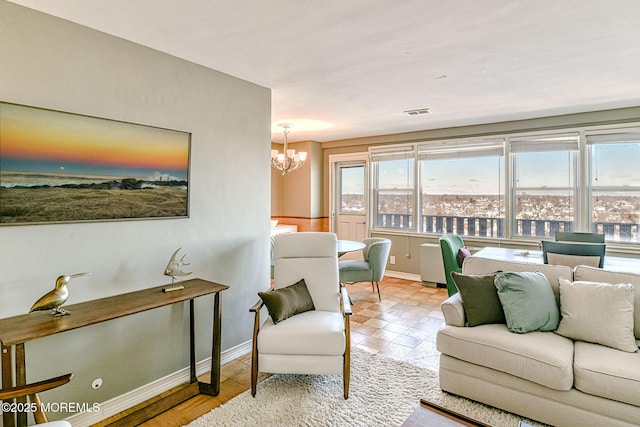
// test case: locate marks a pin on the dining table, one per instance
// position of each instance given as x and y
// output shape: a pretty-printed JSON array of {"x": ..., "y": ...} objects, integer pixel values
[
  {"x": 346, "y": 246},
  {"x": 619, "y": 264}
]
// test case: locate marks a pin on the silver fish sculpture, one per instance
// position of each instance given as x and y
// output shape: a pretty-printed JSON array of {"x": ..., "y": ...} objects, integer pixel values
[{"x": 174, "y": 267}]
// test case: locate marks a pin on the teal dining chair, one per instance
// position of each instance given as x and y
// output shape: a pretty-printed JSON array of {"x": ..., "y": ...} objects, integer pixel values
[
  {"x": 579, "y": 236},
  {"x": 372, "y": 268},
  {"x": 450, "y": 244}
]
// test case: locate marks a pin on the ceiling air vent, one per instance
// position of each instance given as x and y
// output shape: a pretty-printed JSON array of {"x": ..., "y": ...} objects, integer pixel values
[{"x": 417, "y": 112}]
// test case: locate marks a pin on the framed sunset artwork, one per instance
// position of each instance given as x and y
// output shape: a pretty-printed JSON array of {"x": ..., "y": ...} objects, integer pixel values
[{"x": 63, "y": 167}]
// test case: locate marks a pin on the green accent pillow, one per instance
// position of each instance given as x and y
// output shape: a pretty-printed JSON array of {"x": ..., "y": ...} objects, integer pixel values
[
  {"x": 528, "y": 301},
  {"x": 288, "y": 301},
  {"x": 479, "y": 298}
]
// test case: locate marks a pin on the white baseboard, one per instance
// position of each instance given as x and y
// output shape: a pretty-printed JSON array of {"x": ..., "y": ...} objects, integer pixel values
[
  {"x": 128, "y": 400},
  {"x": 402, "y": 275}
]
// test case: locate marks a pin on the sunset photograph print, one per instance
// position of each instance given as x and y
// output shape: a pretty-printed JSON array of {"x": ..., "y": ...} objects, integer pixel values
[{"x": 64, "y": 167}]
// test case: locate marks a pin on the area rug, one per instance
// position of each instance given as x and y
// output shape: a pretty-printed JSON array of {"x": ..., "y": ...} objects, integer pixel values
[{"x": 383, "y": 392}]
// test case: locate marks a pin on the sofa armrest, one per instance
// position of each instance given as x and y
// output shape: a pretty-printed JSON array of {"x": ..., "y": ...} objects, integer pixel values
[{"x": 453, "y": 311}]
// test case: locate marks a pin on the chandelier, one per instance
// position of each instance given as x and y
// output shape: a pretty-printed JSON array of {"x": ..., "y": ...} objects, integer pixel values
[{"x": 288, "y": 160}]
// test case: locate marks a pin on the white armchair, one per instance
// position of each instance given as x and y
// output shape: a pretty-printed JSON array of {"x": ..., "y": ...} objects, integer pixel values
[{"x": 315, "y": 341}]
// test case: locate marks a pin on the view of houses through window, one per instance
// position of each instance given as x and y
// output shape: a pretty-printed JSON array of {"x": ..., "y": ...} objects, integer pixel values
[
  {"x": 510, "y": 186},
  {"x": 544, "y": 184},
  {"x": 351, "y": 189},
  {"x": 614, "y": 184},
  {"x": 462, "y": 187}
]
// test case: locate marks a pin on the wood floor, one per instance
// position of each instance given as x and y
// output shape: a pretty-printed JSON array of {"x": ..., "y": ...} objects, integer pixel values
[{"x": 402, "y": 326}]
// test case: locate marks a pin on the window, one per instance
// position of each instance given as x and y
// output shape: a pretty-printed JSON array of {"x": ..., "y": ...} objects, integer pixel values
[
  {"x": 544, "y": 184},
  {"x": 394, "y": 187},
  {"x": 352, "y": 189},
  {"x": 583, "y": 179},
  {"x": 615, "y": 183},
  {"x": 462, "y": 187}
]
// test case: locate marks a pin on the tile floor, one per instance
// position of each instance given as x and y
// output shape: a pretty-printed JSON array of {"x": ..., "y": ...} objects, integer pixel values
[{"x": 403, "y": 325}]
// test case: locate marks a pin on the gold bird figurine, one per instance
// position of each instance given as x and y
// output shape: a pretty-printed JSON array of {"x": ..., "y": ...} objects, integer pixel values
[{"x": 55, "y": 298}]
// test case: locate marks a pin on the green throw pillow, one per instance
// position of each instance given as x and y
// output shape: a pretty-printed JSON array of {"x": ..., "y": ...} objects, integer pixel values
[
  {"x": 286, "y": 302},
  {"x": 528, "y": 301},
  {"x": 479, "y": 298}
]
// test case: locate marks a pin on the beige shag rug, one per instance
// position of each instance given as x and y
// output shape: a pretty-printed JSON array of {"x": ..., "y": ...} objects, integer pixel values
[{"x": 383, "y": 392}]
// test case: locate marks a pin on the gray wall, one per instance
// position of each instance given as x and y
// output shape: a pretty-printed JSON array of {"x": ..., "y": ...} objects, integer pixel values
[
  {"x": 52, "y": 63},
  {"x": 299, "y": 194}
]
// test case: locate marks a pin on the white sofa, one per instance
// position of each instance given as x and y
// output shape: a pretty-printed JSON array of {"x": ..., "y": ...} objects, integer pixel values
[{"x": 541, "y": 375}]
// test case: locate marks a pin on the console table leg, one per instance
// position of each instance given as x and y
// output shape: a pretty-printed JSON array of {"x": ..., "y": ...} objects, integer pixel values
[
  {"x": 213, "y": 388},
  {"x": 21, "y": 379},
  {"x": 216, "y": 346},
  {"x": 192, "y": 342},
  {"x": 8, "y": 419}
]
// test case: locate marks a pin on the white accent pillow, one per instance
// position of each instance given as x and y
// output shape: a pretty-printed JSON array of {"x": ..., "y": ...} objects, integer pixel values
[
  {"x": 599, "y": 313},
  {"x": 573, "y": 260}
]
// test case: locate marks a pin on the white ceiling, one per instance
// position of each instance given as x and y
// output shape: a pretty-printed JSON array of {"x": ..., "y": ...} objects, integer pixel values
[{"x": 358, "y": 64}]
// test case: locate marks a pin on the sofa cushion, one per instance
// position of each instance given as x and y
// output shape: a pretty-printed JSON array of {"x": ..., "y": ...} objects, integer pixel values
[
  {"x": 463, "y": 252},
  {"x": 528, "y": 301},
  {"x": 606, "y": 276},
  {"x": 312, "y": 332},
  {"x": 479, "y": 298},
  {"x": 608, "y": 373},
  {"x": 599, "y": 313},
  {"x": 544, "y": 358}
]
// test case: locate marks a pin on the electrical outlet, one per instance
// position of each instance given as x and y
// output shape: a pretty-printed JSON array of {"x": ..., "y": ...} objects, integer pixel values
[{"x": 392, "y": 259}]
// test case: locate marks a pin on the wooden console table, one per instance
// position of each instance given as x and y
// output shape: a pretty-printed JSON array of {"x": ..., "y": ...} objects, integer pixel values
[{"x": 15, "y": 331}]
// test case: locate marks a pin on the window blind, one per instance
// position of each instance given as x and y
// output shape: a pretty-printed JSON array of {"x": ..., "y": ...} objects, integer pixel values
[
  {"x": 392, "y": 153},
  {"x": 556, "y": 142},
  {"x": 615, "y": 137},
  {"x": 444, "y": 150}
]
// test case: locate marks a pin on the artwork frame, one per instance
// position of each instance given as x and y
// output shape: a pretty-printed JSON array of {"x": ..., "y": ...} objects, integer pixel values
[{"x": 61, "y": 167}]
